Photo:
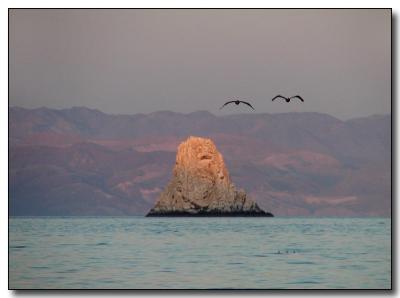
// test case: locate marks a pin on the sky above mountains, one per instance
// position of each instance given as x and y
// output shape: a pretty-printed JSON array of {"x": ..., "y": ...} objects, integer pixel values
[{"x": 141, "y": 61}]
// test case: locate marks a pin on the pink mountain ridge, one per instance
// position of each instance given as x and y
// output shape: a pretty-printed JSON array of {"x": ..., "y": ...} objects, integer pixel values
[{"x": 84, "y": 162}]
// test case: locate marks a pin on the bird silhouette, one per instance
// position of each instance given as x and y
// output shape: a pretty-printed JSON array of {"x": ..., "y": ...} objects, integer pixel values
[
  {"x": 237, "y": 102},
  {"x": 288, "y": 98}
]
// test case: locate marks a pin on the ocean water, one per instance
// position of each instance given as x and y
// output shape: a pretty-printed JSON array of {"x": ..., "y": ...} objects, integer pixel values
[{"x": 199, "y": 253}]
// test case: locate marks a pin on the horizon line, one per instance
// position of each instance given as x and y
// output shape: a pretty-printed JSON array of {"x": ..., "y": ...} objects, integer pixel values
[{"x": 197, "y": 111}]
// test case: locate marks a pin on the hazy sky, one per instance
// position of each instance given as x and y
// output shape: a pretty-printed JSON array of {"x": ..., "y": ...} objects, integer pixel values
[{"x": 131, "y": 61}]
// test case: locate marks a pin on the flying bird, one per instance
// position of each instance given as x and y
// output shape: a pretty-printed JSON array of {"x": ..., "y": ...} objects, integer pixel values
[
  {"x": 237, "y": 102},
  {"x": 288, "y": 98}
]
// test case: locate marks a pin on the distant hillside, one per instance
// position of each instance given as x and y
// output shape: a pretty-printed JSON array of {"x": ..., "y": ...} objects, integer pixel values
[{"x": 81, "y": 161}]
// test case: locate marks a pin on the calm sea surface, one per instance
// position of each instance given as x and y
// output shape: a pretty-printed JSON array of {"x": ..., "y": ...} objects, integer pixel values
[{"x": 187, "y": 253}]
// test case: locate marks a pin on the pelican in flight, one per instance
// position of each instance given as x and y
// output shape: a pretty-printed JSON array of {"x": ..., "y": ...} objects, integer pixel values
[
  {"x": 288, "y": 98},
  {"x": 237, "y": 102}
]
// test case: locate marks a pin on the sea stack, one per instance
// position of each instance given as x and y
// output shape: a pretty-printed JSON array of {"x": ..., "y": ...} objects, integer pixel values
[{"x": 201, "y": 186}]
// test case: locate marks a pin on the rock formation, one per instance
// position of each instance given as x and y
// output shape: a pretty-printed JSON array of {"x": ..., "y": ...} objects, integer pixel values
[{"x": 201, "y": 185}]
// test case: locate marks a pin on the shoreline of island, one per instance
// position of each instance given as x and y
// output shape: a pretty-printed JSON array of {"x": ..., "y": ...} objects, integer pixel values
[{"x": 208, "y": 214}]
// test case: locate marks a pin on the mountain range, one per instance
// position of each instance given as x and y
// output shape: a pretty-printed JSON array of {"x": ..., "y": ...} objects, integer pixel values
[{"x": 81, "y": 161}]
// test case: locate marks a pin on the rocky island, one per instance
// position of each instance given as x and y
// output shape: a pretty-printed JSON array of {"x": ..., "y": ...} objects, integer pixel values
[{"x": 201, "y": 186}]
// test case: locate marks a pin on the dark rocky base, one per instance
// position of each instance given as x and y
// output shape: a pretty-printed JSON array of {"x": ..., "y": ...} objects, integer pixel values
[{"x": 209, "y": 214}]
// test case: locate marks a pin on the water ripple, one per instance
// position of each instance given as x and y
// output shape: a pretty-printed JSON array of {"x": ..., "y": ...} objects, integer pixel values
[{"x": 208, "y": 253}]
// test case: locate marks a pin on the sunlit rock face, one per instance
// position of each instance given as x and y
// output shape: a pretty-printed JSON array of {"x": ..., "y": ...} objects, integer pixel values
[{"x": 201, "y": 185}]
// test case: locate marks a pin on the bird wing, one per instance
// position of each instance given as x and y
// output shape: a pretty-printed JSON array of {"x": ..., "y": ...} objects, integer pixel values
[
  {"x": 278, "y": 96},
  {"x": 228, "y": 102},
  {"x": 245, "y": 102},
  {"x": 298, "y": 96}
]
